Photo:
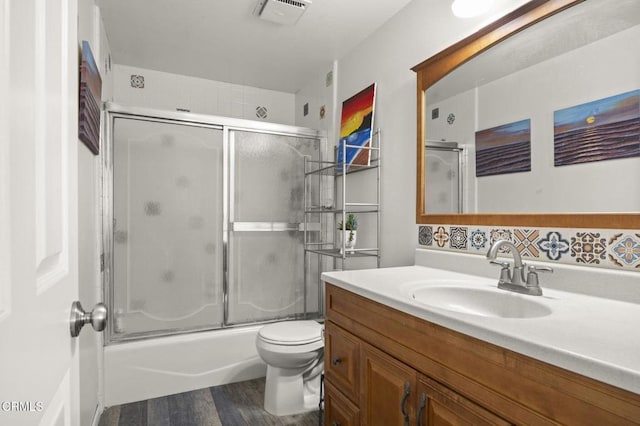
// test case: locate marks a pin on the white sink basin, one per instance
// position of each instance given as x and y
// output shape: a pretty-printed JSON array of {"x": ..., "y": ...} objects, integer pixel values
[{"x": 486, "y": 302}]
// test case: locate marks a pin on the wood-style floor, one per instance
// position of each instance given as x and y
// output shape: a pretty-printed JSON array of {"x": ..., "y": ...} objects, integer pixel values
[{"x": 235, "y": 404}]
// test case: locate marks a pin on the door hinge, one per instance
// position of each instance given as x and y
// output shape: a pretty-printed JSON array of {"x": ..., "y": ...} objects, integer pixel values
[{"x": 102, "y": 262}]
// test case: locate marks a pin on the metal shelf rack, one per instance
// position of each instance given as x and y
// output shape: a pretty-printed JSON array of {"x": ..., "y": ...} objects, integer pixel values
[{"x": 328, "y": 199}]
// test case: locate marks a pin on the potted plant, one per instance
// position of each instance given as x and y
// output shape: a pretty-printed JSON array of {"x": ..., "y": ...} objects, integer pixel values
[{"x": 349, "y": 232}]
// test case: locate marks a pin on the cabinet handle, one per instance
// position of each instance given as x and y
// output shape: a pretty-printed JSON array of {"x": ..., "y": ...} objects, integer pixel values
[
  {"x": 336, "y": 361},
  {"x": 407, "y": 389},
  {"x": 334, "y": 423},
  {"x": 423, "y": 403}
]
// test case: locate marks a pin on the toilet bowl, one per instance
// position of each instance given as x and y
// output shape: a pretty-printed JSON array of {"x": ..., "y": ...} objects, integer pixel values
[{"x": 293, "y": 352}]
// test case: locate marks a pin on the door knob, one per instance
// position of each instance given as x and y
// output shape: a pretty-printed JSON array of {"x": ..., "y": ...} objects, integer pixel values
[{"x": 79, "y": 317}]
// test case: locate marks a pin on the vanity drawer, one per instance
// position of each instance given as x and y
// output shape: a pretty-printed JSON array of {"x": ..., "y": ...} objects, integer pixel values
[
  {"x": 341, "y": 360},
  {"x": 338, "y": 409}
]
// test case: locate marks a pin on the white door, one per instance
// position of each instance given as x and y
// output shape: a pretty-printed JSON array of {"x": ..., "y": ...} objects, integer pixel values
[{"x": 38, "y": 211}]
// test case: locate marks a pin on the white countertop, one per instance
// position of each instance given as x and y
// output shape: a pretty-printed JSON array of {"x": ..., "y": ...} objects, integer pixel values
[{"x": 593, "y": 336}]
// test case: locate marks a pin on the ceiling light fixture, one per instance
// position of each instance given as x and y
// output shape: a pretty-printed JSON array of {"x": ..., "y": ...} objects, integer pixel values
[{"x": 470, "y": 8}]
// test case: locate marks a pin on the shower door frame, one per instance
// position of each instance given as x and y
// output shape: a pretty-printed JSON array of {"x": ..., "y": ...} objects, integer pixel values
[{"x": 227, "y": 125}]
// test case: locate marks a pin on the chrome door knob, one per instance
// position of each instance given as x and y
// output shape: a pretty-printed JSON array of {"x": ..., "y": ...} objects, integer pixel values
[{"x": 79, "y": 317}]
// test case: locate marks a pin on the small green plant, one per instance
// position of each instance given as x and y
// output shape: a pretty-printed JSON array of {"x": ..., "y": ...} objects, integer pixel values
[{"x": 351, "y": 223}]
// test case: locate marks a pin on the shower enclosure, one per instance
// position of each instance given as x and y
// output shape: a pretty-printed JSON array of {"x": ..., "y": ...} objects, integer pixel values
[
  {"x": 202, "y": 222},
  {"x": 443, "y": 174}
]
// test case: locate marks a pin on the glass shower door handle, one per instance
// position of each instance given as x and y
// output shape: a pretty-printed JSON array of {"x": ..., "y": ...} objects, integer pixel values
[
  {"x": 266, "y": 226},
  {"x": 273, "y": 226}
]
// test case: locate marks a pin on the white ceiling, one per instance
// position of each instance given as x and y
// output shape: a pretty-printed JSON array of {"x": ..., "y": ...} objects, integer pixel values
[{"x": 222, "y": 40}]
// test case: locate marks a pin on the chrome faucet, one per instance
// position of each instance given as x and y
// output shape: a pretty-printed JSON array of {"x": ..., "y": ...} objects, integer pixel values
[{"x": 516, "y": 281}]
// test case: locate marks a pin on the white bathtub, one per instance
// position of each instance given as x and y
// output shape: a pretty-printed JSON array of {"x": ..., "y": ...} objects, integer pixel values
[{"x": 167, "y": 365}]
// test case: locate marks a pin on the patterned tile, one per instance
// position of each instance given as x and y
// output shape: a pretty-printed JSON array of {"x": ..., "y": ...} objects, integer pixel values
[
  {"x": 478, "y": 240},
  {"x": 501, "y": 234},
  {"x": 624, "y": 250},
  {"x": 137, "y": 81},
  {"x": 441, "y": 237},
  {"x": 425, "y": 235},
  {"x": 261, "y": 112},
  {"x": 526, "y": 241},
  {"x": 553, "y": 245},
  {"x": 458, "y": 237},
  {"x": 588, "y": 247},
  {"x": 599, "y": 248}
]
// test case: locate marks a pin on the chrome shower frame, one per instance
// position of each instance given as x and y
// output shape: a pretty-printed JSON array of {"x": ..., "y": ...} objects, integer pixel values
[{"x": 227, "y": 125}]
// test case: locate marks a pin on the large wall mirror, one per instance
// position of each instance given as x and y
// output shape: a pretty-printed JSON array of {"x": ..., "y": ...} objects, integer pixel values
[{"x": 535, "y": 120}]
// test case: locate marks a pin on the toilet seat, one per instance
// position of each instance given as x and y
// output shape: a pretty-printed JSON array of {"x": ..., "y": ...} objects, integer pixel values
[{"x": 292, "y": 333}]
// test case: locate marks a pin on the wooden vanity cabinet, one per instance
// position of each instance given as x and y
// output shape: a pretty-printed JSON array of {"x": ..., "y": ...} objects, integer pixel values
[
  {"x": 384, "y": 367},
  {"x": 440, "y": 406},
  {"x": 387, "y": 396},
  {"x": 338, "y": 410}
]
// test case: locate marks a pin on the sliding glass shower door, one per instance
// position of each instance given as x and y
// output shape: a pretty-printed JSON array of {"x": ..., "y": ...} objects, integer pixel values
[
  {"x": 167, "y": 227},
  {"x": 266, "y": 260},
  {"x": 203, "y": 226}
]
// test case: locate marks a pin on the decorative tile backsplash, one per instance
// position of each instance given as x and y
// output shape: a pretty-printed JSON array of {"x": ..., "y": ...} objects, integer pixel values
[{"x": 604, "y": 248}]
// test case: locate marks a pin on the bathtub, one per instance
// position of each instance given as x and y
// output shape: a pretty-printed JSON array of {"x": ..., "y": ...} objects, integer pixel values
[{"x": 167, "y": 365}]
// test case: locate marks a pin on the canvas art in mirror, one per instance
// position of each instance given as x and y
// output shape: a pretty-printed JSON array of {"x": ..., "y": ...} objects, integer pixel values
[{"x": 573, "y": 59}]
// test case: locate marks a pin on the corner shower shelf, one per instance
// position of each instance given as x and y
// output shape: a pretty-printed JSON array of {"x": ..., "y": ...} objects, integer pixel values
[{"x": 329, "y": 177}]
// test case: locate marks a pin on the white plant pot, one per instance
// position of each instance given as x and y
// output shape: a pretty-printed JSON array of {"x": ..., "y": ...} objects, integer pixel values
[{"x": 349, "y": 238}]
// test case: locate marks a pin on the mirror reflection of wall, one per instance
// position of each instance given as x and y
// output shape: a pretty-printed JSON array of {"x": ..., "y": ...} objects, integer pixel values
[{"x": 606, "y": 63}]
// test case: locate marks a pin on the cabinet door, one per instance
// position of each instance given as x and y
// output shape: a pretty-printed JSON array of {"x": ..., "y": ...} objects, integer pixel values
[
  {"x": 441, "y": 406},
  {"x": 338, "y": 410},
  {"x": 342, "y": 352},
  {"x": 388, "y": 389}
]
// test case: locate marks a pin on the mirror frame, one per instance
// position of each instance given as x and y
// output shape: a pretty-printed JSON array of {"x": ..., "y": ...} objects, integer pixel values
[{"x": 439, "y": 65}]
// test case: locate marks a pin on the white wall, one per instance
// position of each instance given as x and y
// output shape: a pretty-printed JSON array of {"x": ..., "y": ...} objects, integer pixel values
[
  {"x": 420, "y": 30},
  {"x": 90, "y": 28},
  {"x": 169, "y": 92},
  {"x": 317, "y": 93}
]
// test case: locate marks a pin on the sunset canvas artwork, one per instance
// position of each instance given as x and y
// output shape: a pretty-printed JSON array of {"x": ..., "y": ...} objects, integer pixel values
[
  {"x": 356, "y": 126},
  {"x": 504, "y": 149},
  {"x": 89, "y": 101},
  {"x": 605, "y": 129}
]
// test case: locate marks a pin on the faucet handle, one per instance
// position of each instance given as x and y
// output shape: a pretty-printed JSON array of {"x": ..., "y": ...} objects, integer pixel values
[
  {"x": 532, "y": 278},
  {"x": 534, "y": 269},
  {"x": 505, "y": 272}
]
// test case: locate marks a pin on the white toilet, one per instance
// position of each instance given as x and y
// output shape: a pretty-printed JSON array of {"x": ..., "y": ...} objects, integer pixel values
[{"x": 293, "y": 352}]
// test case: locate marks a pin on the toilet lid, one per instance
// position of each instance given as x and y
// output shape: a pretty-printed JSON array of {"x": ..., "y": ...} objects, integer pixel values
[{"x": 292, "y": 332}]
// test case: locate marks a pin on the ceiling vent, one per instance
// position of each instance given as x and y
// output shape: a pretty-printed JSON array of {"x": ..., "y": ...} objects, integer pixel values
[{"x": 284, "y": 12}]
